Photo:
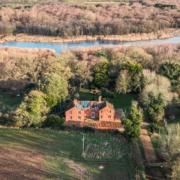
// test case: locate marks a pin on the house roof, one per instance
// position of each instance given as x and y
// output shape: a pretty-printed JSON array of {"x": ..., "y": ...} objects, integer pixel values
[
  {"x": 92, "y": 104},
  {"x": 82, "y": 104}
]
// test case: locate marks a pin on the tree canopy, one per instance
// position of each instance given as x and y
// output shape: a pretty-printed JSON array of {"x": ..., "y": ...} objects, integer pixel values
[
  {"x": 132, "y": 123},
  {"x": 55, "y": 87},
  {"x": 32, "y": 111}
]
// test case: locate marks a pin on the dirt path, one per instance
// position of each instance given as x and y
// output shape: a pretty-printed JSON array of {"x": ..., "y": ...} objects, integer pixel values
[
  {"x": 148, "y": 147},
  {"x": 20, "y": 164},
  {"x": 152, "y": 173}
]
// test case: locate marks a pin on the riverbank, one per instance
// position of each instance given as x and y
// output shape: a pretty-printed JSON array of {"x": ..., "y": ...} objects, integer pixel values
[
  {"x": 168, "y": 33},
  {"x": 10, "y": 52}
]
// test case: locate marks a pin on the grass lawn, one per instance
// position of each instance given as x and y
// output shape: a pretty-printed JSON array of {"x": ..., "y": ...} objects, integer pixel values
[
  {"x": 107, "y": 156},
  {"x": 122, "y": 101}
]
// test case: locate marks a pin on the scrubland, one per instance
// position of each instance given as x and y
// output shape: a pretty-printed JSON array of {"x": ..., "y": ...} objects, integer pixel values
[{"x": 67, "y": 20}]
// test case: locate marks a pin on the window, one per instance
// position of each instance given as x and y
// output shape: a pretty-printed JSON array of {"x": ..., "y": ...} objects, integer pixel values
[
  {"x": 79, "y": 112},
  {"x": 93, "y": 115},
  {"x": 109, "y": 117},
  {"x": 79, "y": 117},
  {"x": 101, "y": 117},
  {"x": 70, "y": 117}
]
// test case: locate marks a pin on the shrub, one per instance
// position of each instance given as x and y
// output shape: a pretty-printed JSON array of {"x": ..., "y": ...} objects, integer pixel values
[
  {"x": 155, "y": 107},
  {"x": 32, "y": 111},
  {"x": 171, "y": 71},
  {"x": 156, "y": 95},
  {"x": 154, "y": 127},
  {"x": 132, "y": 123},
  {"x": 6, "y": 118},
  {"x": 54, "y": 121},
  {"x": 140, "y": 56},
  {"x": 176, "y": 169},
  {"x": 107, "y": 94},
  {"x": 123, "y": 82},
  {"x": 101, "y": 54},
  {"x": 157, "y": 84},
  {"x": 130, "y": 78},
  {"x": 170, "y": 143},
  {"x": 55, "y": 87},
  {"x": 100, "y": 73}
]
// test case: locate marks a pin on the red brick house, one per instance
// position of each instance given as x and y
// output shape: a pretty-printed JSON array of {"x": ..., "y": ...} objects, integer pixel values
[{"x": 96, "y": 114}]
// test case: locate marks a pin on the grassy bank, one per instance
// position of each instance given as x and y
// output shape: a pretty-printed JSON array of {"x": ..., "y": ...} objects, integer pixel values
[
  {"x": 168, "y": 33},
  {"x": 107, "y": 156}
]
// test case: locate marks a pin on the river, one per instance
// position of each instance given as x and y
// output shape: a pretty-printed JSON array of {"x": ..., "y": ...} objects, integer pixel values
[{"x": 59, "y": 47}]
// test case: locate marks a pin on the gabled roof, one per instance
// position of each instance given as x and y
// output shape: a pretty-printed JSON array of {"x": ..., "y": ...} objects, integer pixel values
[
  {"x": 107, "y": 104},
  {"x": 92, "y": 104},
  {"x": 82, "y": 104},
  {"x": 99, "y": 105}
]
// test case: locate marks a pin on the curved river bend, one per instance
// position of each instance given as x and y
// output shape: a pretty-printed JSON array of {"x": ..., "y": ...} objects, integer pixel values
[{"x": 59, "y": 47}]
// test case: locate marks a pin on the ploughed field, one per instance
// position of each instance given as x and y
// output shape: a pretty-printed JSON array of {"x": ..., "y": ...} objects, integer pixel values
[{"x": 60, "y": 154}]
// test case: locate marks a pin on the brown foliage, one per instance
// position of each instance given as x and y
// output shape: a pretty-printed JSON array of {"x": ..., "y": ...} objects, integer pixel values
[
  {"x": 96, "y": 19},
  {"x": 19, "y": 67}
]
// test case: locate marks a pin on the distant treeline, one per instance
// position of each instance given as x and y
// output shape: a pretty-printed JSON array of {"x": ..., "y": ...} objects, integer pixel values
[{"x": 60, "y": 19}]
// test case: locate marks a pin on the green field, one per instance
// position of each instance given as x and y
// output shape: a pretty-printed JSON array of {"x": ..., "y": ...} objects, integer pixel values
[
  {"x": 112, "y": 152},
  {"x": 106, "y": 156}
]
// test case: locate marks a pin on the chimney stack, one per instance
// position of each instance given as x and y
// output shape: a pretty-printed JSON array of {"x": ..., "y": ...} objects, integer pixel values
[
  {"x": 100, "y": 99},
  {"x": 75, "y": 102}
]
